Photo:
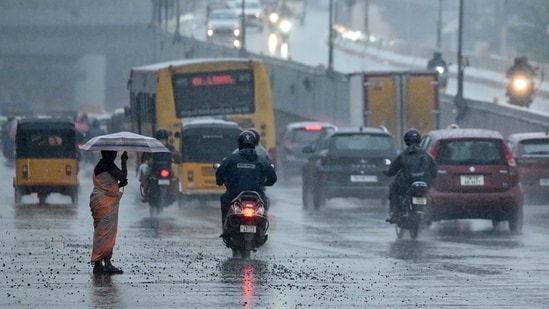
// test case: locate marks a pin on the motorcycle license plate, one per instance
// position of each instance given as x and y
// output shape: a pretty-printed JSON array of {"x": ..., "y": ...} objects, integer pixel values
[
  {"x": 163, "y": 181},
  {"x": 419, "y": 200},
  {"x": 247, "y": 229}
]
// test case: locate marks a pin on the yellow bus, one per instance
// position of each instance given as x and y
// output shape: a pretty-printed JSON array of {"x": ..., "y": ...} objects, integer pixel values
[{"x": 166, "y": 95}]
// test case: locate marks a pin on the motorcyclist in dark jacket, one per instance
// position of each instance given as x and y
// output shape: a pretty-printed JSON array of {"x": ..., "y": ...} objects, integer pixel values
[
  {"x": 157, "y": 160},
  {"x": 243, "y": 171},
  {"x": 412, "y": 164},
  {"x": 521, "y": 65},
  {"x": 437, "y": 60},
  {"x": 436, "y": 63}
]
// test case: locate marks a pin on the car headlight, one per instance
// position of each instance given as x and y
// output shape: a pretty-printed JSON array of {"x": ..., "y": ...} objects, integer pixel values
[{"x": 273, "y": 17}]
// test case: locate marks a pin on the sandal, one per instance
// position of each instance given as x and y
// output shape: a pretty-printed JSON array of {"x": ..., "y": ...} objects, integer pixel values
[
  {"x": 100, "y": 270},
  {"x": 114, "y": 270}
]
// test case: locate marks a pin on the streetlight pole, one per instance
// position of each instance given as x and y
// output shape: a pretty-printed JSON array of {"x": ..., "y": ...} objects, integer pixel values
[
  {"x": 242, "y": 30},
  {"x": 331, "y": 39},
  {"x": 439, "y": 25},
  {"x": 460, "y": 103}
]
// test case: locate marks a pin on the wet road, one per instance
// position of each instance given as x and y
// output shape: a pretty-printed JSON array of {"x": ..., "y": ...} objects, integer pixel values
[{"x": 341, "y": 256}]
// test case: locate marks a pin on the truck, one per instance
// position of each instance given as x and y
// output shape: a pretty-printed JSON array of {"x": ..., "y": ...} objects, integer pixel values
[{"x": 396, "y": 100}]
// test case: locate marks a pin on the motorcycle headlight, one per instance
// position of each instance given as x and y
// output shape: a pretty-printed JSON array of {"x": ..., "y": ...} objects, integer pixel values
[
  {"x": 439, "y": 69},
  {"x": 285, "y": 26},
  {"x": 520, "y": 83}
]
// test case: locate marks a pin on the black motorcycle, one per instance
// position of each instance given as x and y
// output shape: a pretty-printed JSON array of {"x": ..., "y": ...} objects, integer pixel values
[
  {"x": 246, "y": 223},
  {"x": 520, "y": 89},
  {"x": 413, "y": 206},
  {"x": 162, "y": 184}
]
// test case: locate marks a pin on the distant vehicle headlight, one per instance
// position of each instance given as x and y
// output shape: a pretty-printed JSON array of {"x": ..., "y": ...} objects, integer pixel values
[
  {"x": 273, "y": 17},
  {"x": 439, "y": 69},
  {"x": 285, "y": 26},
  {"x": 236, "y": 32}
]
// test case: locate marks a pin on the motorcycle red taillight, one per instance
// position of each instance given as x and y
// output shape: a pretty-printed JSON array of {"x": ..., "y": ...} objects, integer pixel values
[
  {"x": 248, "y": 212},
  {"x": 164, "y": 173}
]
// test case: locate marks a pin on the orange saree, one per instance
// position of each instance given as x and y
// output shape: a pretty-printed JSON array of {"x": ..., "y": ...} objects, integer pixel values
[{"x": 104, "y": 203}]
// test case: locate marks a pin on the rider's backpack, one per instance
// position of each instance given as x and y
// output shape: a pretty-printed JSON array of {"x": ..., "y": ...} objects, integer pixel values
[{"x": 416, "y": 167}]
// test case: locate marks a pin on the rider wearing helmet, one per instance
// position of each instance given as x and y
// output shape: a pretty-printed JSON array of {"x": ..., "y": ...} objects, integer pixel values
[
  {"x": 522, "y": 66},
  {"x": 259, "y": 148},
  {"x": 412, "y": 164},
  {"x": 243, "y": 171}
]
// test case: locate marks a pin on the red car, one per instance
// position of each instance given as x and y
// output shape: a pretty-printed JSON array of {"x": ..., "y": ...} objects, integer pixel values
[
  {"x": 477, "y": 177},
  {"x": 531, "y": 152}
]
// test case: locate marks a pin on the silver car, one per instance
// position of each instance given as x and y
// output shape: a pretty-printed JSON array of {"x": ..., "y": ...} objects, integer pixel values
[{"x": 224, "y": 23}]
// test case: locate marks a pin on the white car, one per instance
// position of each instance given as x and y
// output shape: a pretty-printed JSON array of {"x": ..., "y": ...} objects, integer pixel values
[
  {"x": 223, "y": 22},
  {"x": 253, "y": 12}
]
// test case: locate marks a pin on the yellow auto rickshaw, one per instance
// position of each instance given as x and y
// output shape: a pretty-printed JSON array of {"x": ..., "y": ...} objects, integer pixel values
[{"x": 46, "y": 159}]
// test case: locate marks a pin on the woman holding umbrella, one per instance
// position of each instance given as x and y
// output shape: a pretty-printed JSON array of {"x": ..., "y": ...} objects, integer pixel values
[
  {"x": 104, "y": 203},
  {"x": 105, "y": 197}
]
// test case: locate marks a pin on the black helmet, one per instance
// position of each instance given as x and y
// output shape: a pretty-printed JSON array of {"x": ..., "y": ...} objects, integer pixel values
[
  {"x": 412, "y": 137},
  {"x": 246, "y": 139},
  {"x": 161, "y": 134},
  {"x": 256, "y": 134}
]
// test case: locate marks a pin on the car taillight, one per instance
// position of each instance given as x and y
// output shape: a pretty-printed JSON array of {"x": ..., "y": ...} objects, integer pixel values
[
  {"x": 313, "y": 127},
  {"x": 68, "y": 170},
  {"x": 248, "y": 212},
  {"x": 164, "y": 173},
  {"x": 190, "y": 176},
  {"x": 25, "y": 171},
  {"x": 509, "y": 157}
]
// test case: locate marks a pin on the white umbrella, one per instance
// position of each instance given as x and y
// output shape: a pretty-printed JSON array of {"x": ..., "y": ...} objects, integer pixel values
[{"x": 125, "y": 141}]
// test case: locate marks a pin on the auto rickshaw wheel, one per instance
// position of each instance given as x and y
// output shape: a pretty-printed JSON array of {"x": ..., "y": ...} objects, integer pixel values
[
  {"x": 74, "y": 196},
  {"x": 18, "y": 195}
]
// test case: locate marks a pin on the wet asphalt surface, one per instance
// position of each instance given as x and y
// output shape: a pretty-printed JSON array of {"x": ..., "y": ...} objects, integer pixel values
[{"x": 341, "y": 256}]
